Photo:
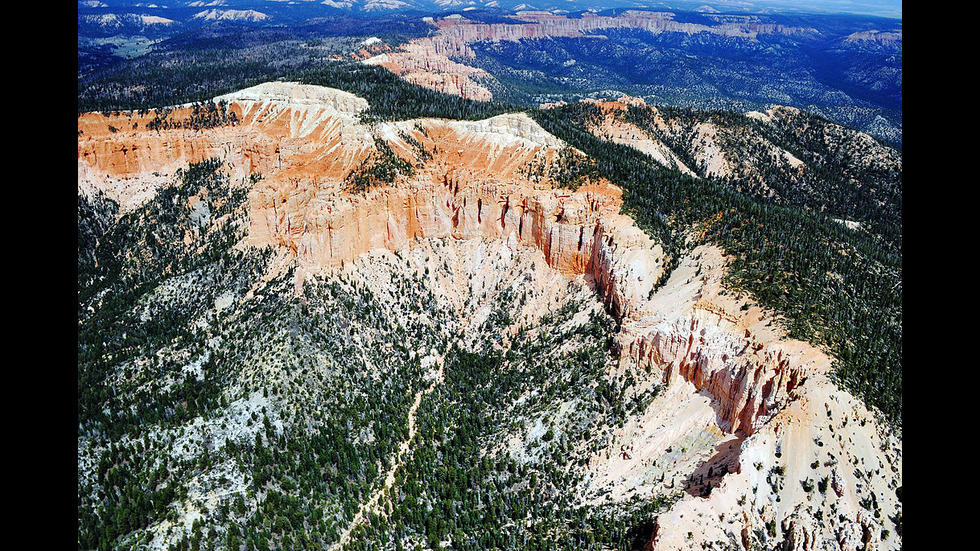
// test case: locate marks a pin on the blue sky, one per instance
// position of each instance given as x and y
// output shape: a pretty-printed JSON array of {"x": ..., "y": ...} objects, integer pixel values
[{"x": 881, "y": 8}]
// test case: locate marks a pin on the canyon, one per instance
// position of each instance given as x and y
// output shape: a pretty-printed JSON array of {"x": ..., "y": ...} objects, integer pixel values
[
  {"x": 438, "y": 61},
  {"x": 748, "y": 431}
]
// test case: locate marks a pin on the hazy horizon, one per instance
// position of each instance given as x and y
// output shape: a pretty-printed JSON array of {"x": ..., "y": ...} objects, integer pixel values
[{"x": 880, "y": 8}]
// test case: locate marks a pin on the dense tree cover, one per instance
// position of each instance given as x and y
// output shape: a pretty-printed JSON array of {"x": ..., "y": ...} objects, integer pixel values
[
  {"x": 155, "y": 357},
  {"x": 119, "y": 266},
  {"x": 189, "y": 77},
  {"x": 126, "y": 261},
  {"x": 842, "y": 175},
  {"x": 198, "y": 363},
  {"x": 198, "y": 66},
  {"x": 96, "y": 216},
  {"x": 391, "y": 98},
  {"x": 837, "y": 288},
  {"x": 197, "y": 360},
  {"x": 316, "y": 31},
  {"x": 462, "y": 479},
  {"x": 205, "y": 63},
  {"x": 848, "y": 81}
]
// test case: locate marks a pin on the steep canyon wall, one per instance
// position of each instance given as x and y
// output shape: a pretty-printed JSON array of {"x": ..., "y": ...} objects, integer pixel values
[
  {"x": 488, "y": 180},
  {"x": 438, "y": 62}
]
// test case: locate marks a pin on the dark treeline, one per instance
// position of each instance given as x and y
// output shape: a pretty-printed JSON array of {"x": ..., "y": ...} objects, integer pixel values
[
  {"x": 197, "y": 66},
  {"x": 391, "y": 98},
  {"x": 228, "y": 35},
  {"x": 203, "y": 115},
  {"x": 836, "y": 288},
  {"x": 124, "y": 262},
  {"x": 839, "y": 175},
  {"x": 461, "y": 485},
  {"x": 164, "y": 80}
]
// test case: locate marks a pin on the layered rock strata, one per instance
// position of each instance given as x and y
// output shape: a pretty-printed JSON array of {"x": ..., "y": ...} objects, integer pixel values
[
  {"x": 763, "y": 447},
  {"x": 438, "y": 61},
  {"x": 471, "y": 179},
  {"x": 740, "y": 396}
]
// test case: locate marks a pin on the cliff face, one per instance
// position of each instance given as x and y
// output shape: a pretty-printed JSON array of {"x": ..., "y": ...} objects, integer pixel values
[
  {"x": 765, "y": 447},
  {"x": 751, "y": 378},
  {"x": 479, "y": 179},
  {"x": 438, "y": 61},
  {"x": 293, "y": 132},
  {"x": 741, "y": 399},
  {"x": 427, "y": 62},
  {"x": 474, "y": 180}
]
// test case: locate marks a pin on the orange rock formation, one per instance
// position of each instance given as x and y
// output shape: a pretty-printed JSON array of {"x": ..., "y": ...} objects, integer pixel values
[
  {"x": 470, "y": 179},
  {"x": 488, "y": 180},
  {"x": 434, "y": 61}
]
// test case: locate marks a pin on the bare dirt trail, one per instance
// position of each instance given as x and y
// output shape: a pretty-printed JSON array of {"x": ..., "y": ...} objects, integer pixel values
[{"x": 371, "y": 505}]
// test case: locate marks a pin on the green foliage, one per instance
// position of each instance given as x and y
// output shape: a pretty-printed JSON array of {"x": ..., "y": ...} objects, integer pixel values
[
  {"x": 461, "y": 484},
  {"x": 331, "y": 426},
  {"x": 158, "y": 357},
  {"x": 391, "y": 98},
  {"x": 842, "y": 175},
  {"x": 204, "y": 115},
  {"x": 197, "y": 76},
  {"x": 123, "y": 263},
  {"x": 382, "y": 167},
  {"x": 836, "y": 288}
]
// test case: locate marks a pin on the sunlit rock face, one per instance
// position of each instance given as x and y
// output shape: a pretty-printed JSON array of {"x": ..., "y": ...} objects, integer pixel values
[
  {"x": 739, "y": 397},
  {"x": 470, "y": 179},
  {"x": 438, "y": 62}
]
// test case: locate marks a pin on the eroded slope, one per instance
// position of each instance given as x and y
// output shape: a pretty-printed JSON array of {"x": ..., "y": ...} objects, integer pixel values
[
  {"x": 437, "y": 61},
  {"x": 376, "y": 253}
]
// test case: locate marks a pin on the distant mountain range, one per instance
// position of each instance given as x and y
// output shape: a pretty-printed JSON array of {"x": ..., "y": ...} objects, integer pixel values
[
  {"x": 847, "y": 68},
  {"x": 880, "y": 8},
  {"x": 410, "y": 274}
]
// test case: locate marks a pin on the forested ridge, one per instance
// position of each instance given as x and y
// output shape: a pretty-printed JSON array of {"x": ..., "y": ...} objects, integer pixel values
[
  {"x": 838, "y": 288},
  {"x": 273, "y": 402},
  {"x": 200, "y": 376}
]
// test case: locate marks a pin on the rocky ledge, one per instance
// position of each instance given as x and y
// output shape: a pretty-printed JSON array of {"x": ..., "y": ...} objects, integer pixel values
[{"x": 786, "y": 456}]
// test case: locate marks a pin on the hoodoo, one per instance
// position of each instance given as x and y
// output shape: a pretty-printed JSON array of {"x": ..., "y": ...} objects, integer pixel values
[{"x": 744, "y": 418}]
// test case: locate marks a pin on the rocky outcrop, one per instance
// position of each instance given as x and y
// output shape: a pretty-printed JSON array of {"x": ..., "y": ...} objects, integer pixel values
[
  {"x": 701, "y": 142},
  {"x": 612, "y": 126},
  {"x": 887, "y": 39},
  {"x": 427, "y": 62},
  {"x": 435, "y": 61},
  {"x": 543, "y": 24},
  {"x": 794, "y": 479},
  {"x": 289, "y": 130},
  {"x": 735, "y": 384},
  {"x": 750, "y": 379},
  {"x": 470, "y": 179},
  {"x": 475, "y": 183},
  {"x": 735, "y": 151}
]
